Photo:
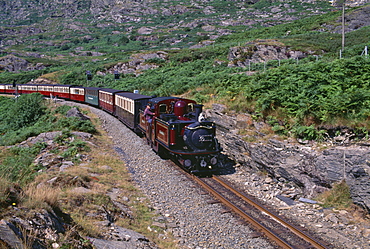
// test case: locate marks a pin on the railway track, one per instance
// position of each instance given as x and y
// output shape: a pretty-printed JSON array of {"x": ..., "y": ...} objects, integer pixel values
[{"x": 284, "y": 234}]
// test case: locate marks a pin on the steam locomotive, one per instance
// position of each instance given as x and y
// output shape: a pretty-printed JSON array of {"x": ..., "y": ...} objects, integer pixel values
[{"x": 176, "y": 130}]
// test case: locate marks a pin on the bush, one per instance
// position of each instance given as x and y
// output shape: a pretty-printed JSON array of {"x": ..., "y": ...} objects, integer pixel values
[
  {"x": 75, "y": 124},
  {"x": 62, "y": 109},
  {"x": 25, "y": 111},
  {"x": 27, "y": 116}
]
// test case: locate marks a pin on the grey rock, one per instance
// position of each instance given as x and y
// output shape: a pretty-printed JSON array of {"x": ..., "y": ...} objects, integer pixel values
[
  {"x": 125, "y": 239},
  {"x": 287, "y": 200},
  {"x": 307, "y": 200},
  {"x": 259, "y": 52},
  {"x": 12, "y": 63},
  {"x": 74, "y": 112},
  {"x": 9, "y": 236}
]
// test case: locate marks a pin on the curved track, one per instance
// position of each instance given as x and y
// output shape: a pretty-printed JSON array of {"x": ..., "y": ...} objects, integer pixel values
[{"x": 284, "y": 234}]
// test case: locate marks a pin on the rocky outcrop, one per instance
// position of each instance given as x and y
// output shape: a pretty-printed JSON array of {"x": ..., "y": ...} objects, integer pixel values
[
  {"x": 354, "y": 20},
  {"x": 40, "y": 228},
  {"x": 74, "y": 112},
  {"x": 139, "y": 17},
  {"x": 139, "y": 62},
  {"x": 12, "y": 63},
  {"x": 260, "y": 52},
  {"x": 314, "y": 168},
  {"x": 36, "y": 229}
]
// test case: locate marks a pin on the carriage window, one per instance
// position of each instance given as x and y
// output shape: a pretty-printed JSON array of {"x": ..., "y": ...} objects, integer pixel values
[
  {"x": 162, "y": 108},
  {"x": 190, "y": 107}
]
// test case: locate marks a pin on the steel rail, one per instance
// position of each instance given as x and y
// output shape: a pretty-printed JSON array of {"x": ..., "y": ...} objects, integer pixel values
[
  {"x": 244, "y": 215},
  {"x": 294, "y": 229}
]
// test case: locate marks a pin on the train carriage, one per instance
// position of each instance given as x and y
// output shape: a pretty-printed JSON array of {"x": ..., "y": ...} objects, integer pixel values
[
  {"x": 2, "y": 88},
  {"x": 26, "y": 89},
  {"x": 128, "y": 106},
  {"x": 62, "y": 91},
  {"x": 107, "y": 100},
  {"x": 46, "y": 90},
  {"x": 92, "y": 95},
  {"x": 77, "y": 93},
  {"x": 10, "y": 89}
]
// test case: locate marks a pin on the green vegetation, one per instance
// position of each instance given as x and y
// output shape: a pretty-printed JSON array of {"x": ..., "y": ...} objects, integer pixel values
[
  {"x": 16, "y": 164},
  {"x": 74, "y": 146},
  {"x": 300, "y": 98},
  {"x": 323, "y": 93},
  {"x": 338, "y": 197},
  {"x": 28, "y": 116},
  {"x": 21, "y": 112}
]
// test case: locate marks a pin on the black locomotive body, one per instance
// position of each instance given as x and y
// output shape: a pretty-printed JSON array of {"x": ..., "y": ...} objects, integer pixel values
[{"x": 175, "y": 132}]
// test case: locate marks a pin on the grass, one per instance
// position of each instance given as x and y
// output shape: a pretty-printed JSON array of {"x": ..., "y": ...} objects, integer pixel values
[
  {"x": 338, "y": 197},
  {"x": 36, "y": 196},
  {"x": 4, "y": 191}
]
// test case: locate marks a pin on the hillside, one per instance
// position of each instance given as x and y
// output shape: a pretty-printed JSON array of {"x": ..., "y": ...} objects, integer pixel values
[
  {"x": 211, "y": 46},
  {"x": 65, "y": 26}
]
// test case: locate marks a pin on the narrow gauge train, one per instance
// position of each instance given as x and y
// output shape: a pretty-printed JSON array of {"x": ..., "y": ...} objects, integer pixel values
[{"x": 175, "y": 131}]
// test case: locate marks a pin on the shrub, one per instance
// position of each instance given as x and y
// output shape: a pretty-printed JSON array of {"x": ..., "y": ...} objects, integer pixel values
[
  {"x": 62, "y": 109},
  {"x": 305, "y": 132},
  {"x": 25, "y": 111},
  {"x": 75, "y": 124}
]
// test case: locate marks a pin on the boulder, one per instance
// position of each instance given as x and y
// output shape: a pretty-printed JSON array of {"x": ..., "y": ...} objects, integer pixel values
[{"x": 74, "y": 112}]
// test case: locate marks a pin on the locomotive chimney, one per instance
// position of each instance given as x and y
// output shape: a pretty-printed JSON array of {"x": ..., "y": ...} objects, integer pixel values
[{"x": 198, "y": 109}]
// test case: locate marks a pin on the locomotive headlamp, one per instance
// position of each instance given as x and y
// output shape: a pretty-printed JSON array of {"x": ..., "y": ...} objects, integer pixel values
[
  {"x": 187, "y": 163},
  {"x": 213, "y": 160}
]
